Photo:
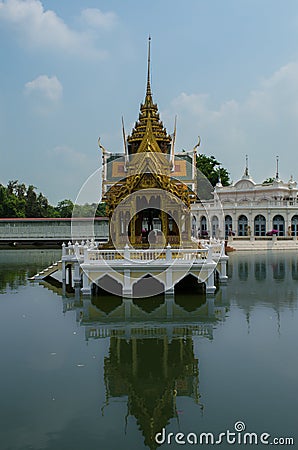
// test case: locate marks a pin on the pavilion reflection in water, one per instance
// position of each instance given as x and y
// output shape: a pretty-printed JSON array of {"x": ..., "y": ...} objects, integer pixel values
[
  {"x": 151, "y": 358},
  {"x": 152, "y": 372},
  {"x": 152, "y": 363}
]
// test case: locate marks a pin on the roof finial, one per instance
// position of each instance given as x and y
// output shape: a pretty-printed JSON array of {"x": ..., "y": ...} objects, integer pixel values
[
  {"x": 173, "y": 145},
  {"x": 277, "y": 174},
  {"x": 246, "y": 166},
  {"x": 148, "y": 72}
]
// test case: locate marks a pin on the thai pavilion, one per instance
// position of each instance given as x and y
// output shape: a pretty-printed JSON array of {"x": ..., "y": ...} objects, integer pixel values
[{"x": 149, "y": 189}]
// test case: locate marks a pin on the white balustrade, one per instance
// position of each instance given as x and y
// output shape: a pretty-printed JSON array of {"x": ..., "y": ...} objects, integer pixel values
[{"x": 88, "y": 253}]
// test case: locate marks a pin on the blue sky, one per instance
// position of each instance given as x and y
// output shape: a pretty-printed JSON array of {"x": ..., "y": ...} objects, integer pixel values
[{"x": 71, "y": 69}]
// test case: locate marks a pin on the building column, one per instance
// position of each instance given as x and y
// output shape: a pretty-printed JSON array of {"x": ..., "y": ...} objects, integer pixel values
[
  {"x": 86, "y": 289},
  {"x": 127, "y": 286},
  {"x": 222, "y": 269},
  {"x": 63, "y": 271},
  {"x": 77, "y": 276},
  {"x": 209, "y": 283}
]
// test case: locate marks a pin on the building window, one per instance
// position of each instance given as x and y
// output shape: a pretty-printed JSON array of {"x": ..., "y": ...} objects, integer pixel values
[
  {"x": 242, "y": 225},
  {"x": 228, "y": 226},
  {"x": 260, "y": 225},
  {"x": 194, "y": 226},
  {"x": 294, "y": 225},
  {"x": 279, "y": 224},
  {"x": 203, "y": 226}
]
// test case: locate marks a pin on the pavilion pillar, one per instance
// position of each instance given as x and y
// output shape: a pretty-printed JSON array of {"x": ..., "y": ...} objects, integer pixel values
[
  {"x": 77, "y": 276},
  {"x": 63, "y": 271},
  {"x": 209, "y": 282},
  {"x": 86, "y": 289}
]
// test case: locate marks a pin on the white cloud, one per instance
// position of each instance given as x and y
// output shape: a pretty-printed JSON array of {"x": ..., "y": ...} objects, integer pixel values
[
  {"x": 96, "y": 18},
  {"x": 68, "y": 157},
  {"x": 40, "y": 28},
  {"x": 263, "y": 125},
  {"x": 44, "y": 87}
]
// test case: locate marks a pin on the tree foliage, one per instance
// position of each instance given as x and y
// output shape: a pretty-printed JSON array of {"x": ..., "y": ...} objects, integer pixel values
[
  {"x": 18, "y": 200},
  {"x": 212, "y": 169},
  {"x": 269, "y": 180}
]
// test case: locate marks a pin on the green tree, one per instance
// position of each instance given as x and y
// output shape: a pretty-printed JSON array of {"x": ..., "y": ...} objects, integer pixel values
[
  {"x": 268, "y": 180},
  {"x": 212, "y": 169},
  {"x": 101, "y": 210},
  {"x": 65, "y": 208},
  {"x": 32, "y": 208}
]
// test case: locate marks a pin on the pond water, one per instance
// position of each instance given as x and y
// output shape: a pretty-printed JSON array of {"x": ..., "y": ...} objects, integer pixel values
[{"x": 106, "y": 374}]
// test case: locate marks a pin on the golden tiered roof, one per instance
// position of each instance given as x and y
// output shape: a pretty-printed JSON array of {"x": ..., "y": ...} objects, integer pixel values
[{"x": 149, "y": 129}]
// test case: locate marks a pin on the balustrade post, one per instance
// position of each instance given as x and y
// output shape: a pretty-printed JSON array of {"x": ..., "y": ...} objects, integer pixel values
[
  {"x": 209, "y": 253},
  {"x": 76, "y": 249},
  {"x": 168, "y": 253},
  {"x": 126, "y": 251},
  {"x": 86, "y": 256}
]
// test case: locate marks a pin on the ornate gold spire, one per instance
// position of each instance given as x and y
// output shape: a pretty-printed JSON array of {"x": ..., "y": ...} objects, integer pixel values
[
  {"x": 149, "y": 127},
  {"x": 148, "y": 93}
]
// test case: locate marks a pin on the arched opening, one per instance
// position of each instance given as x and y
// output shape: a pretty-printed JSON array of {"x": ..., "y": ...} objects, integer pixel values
[
  {"x": 242, "y": 225},
  {"x": 107, "y": 286},
  {"x": 279, "y": 224},
  {"x": 143, "y": 223},
  {"x": 203, "y": 227},
  {"x": 260, "y": 225},
  {"x": 195, "y": 293},
  {"x": 294, "y": 225},
  {"x": 147, "y": 286},
  {"x": 228, "y": 226}
]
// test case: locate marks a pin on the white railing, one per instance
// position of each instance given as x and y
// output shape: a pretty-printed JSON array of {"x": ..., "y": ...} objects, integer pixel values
[
  {"x": 87, "y": 252},
  {"x": 156, "y": 256}
]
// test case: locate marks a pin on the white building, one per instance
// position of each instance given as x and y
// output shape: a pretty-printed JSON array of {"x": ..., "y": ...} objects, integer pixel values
[{"x": 247, "y": 208}]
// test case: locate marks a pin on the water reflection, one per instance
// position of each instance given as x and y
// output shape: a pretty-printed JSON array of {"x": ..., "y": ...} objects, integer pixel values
[
  {"x": 151, "y": 363},
  {"x": 158, "y": 356},
  {"x": 16, "y": 266},
  {"x": 151, "y": 360},
  {"x": 280, "y": 266},
  {"x": 151, "y": 372},
  {"x": 269, "y": 278}
]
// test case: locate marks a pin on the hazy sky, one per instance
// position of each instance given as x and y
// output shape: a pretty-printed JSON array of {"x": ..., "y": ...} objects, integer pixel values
[{"x": 71, "y": 69}]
